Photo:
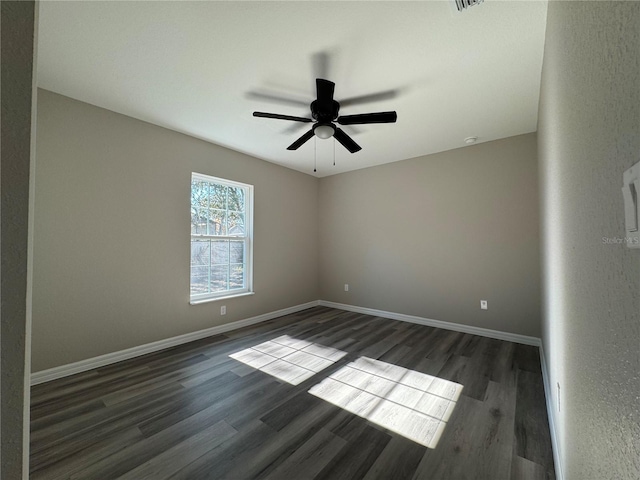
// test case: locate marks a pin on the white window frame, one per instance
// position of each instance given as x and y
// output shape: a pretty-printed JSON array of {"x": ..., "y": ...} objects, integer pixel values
[{"x": 195, "y": 299}]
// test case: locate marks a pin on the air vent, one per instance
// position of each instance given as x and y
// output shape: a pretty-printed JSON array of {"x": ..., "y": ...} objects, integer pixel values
[{"x": 464, "y": 4}]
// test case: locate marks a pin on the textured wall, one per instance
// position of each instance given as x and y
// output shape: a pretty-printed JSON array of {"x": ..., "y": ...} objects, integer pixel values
[
  {"x": 434, "y": 235},
  {"x": 588, "y": 134},
  {"x": 18, "y": 33},
  {"x": 111, "y": 261}
]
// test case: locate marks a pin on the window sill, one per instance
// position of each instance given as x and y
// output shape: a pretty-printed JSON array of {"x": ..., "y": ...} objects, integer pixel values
[{"x": 215, "y": 299}]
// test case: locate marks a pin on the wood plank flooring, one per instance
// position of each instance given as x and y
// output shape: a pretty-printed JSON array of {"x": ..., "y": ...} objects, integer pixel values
[{"x": 193, "y": 412}]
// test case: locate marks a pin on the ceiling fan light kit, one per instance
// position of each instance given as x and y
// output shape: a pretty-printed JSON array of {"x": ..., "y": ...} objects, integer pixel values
[
  {"x": 324, "y": 112},
  {"x": 324, "y": 131}
]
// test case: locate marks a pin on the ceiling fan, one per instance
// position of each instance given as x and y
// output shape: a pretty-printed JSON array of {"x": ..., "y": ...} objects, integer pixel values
[{"x": 324, "y": 116}]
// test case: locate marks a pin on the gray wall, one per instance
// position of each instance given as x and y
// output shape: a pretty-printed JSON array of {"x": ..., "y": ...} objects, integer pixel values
[
  {"x": 111, "y": 261},
  {"x": 589, "y": 133},
  {"x": 18, "y": 64},
  {"x": 434, "y": 235}
]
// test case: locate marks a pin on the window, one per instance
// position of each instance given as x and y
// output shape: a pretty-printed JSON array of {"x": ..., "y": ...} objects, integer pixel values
[{"x": 221, "y": 246}]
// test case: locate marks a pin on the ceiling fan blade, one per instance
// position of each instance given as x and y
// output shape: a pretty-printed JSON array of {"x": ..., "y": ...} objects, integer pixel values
[
  {"x": 275, "y": 98},
  {"x": 372, "y": 97},
  {"x": 299, "y": 142},
  {"x": 346, "y": 141},
  {"x": 325, "y": 90},
  {"x": 379, "y": 117},
  {"x": 281, "y": 117}
]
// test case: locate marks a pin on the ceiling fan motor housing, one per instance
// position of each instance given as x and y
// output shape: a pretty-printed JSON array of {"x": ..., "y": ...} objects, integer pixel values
[{"x": 323, "y": 112}]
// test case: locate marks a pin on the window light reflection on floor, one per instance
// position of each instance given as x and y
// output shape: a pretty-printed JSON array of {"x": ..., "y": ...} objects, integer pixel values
[
  {"x": 289, "y": 359},
  {"x": 412, "y": 404}
]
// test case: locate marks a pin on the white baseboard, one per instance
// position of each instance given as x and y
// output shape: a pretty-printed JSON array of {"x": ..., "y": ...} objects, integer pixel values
[
  {"x": 109, "y": 358},
  {"x": 551, "y": 415},
  {"x": 456, "y": 327}
]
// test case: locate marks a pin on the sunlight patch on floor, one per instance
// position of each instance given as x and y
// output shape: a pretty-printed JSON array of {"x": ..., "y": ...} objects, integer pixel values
[
  {"x": 289, "y": 359},
  {"x": 409, "y": 403}
]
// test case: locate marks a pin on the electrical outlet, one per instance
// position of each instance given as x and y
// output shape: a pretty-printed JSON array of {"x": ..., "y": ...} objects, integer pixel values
[
  {"x": 223, "y": 310},
  {"x": 483, "y": 305},
  {"x": 346, "y": 287}
]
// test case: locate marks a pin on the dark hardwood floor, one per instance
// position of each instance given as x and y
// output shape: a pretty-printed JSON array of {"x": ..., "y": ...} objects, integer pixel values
[{"x": 375, "y": 410}]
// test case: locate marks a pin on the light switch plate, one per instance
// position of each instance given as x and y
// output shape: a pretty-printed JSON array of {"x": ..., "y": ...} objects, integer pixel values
[{"x": 631, "y": 195}]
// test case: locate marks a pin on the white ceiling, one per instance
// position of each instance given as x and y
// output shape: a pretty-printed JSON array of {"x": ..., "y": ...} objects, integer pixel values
[{"x": 188, "y": 66}]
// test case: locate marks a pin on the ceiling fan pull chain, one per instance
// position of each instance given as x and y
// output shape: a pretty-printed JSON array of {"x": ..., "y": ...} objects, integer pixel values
[
  {"x": 315, "y": 153},
  {"x": 334, "y": 152}
]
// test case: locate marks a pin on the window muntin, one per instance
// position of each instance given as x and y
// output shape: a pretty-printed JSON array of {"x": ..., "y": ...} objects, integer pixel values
[{"x": 221, "y": 247}]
